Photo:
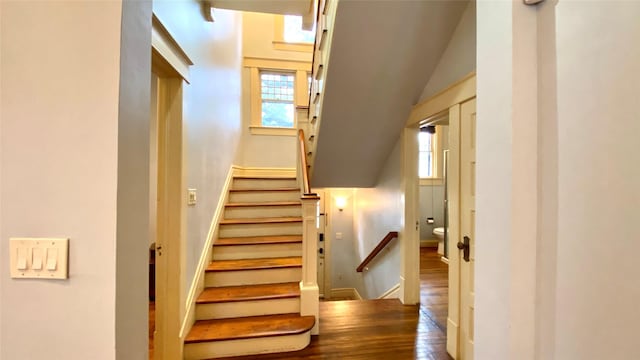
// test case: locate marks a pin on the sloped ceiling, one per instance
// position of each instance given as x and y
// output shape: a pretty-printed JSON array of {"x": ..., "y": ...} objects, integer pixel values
[{"x": 382, "y": 55}]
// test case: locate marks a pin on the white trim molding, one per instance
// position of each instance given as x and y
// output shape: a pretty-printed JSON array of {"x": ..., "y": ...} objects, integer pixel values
[
  {"x": 350, "y": 293},
  {"x": 169, "y": 49},
  {"x": 392, "y": 293},
  {"x": 197, "y": 285},
  {"x": 263, "y": 171}
]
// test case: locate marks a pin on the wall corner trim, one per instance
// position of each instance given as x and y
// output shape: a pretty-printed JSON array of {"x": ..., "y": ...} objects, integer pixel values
[{"x": 197, "y": 285}]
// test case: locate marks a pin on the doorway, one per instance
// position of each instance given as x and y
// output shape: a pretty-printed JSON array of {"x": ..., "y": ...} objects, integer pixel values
[
  {"x": 166, "y": 184},
  {"x": 458, "y": 103}
]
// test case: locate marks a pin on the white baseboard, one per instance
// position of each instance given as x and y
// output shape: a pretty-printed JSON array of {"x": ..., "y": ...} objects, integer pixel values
[
  {"x": 429, "y": 243},
  {"x": 444, "y": 260},
  {"x": 392, "y": 293},
  {"x": 350, "y": 293},
  {"x": 197, "y": 285},
  {"x": 263, "y": 172}
]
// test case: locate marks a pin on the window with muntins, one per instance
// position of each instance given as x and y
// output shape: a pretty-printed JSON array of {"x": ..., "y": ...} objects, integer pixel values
[
  {"x": 277, "y": 94},
  {"x": 426, "y": 146}
]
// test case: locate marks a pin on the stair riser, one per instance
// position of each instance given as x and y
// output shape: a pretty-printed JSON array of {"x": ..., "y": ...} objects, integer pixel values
[
  {"x": 252, "y": 277},
  {"x": 264, "y": 183},
  {"x": 244, "y": 230},
  {"x": 264, "y": 345},
  {"x": 262, "y": 211},
  {"x": 264, "y": 196},
  {"x": 256, "y": 251},
  {"x": 247, "y": 308}
]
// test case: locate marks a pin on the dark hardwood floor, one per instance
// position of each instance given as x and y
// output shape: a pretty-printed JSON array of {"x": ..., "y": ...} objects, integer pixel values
[
  {"x": 383, "y": 329},
  {"x": 152, "y": 326},
  {"x": 380, "y": 329},
  {"x": 434, "y": 287}
]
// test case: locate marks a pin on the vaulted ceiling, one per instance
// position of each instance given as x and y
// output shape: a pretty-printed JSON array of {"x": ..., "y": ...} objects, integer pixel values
[{"x": 382, "y": 55}]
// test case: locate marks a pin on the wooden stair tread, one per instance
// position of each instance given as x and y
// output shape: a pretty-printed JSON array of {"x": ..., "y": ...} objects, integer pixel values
[
  {"x": 249, "y": 292},
  {"x": 272, "y": 203},
  {"x": 259, "y": 240},
  {"x": 255, "y": 264},
  {"x": 249, "y": 327},
  {"x": 265, "y": 190},
  {"x": 270, "y": 220},
  {"x": 249, "y": 177}
]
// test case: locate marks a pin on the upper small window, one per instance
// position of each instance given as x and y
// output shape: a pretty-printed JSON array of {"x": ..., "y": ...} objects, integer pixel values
[
  {"x": 293, "y": 31},
  {"x": 277, "y": 94},
  {"x": 426, "y": 160}
]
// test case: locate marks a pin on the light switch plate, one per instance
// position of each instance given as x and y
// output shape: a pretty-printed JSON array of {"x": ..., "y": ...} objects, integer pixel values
[
  {"x": 39, "y": 258},
  {"x": 192, "y": 197}
]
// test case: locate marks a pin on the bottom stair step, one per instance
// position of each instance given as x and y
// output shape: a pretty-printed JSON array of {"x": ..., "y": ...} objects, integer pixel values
[
  {"x": 249, "y": 300},
  {"x": 248, "y": 335}
]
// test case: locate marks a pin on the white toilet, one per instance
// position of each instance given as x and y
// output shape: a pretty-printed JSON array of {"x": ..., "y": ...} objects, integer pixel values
[{"x": 439, "y": 233}]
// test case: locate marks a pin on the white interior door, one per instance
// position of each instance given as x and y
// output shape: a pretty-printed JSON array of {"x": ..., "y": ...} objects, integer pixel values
[{"x": 467, "y": 225}]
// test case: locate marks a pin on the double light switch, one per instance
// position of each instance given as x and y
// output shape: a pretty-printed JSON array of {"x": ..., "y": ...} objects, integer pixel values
[{"x": 39, "y": 258}]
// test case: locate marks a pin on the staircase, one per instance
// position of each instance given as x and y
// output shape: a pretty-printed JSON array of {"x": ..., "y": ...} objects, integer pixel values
[{"x": 251, "y": 301}]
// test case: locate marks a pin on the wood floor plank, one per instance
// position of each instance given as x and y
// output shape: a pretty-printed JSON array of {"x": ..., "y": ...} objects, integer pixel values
[
  {"x": 272, "y": 220},
  {"x": 249, "y": 327},
  {"x": 249, "y": 292},
  {"x": 255, "y": 264},
  {"x": 259, "y": 240},
  {"x": 381, "y": 329}
]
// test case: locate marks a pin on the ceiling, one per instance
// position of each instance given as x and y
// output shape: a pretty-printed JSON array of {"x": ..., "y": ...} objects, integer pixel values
[{"x": 382, "y": 55}]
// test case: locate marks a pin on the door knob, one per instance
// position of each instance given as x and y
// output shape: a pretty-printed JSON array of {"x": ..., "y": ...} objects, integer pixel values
[{"x": 465, "y": 247}]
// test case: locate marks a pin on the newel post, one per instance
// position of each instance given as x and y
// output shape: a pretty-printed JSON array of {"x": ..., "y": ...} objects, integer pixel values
[{"x": 309, "y": 292}]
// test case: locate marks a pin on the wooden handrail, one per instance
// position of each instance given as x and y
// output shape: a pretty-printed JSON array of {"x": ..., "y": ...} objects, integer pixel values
[
  {"x": 303, "y": 163},
  {"x": 383, "y": 243}
]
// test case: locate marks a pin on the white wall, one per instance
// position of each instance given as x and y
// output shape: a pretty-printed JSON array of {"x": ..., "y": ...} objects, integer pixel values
[
  {"x": 431, "y": 205},
  {"x": 578, "y": 281},
  {"x": 343, "y": 259},
  {"x": 212, "y": 109},
  {"x": 132, "y": 255},
  {"x": 370, "y": 214},
  {"x": 264, "y": 150},
  {"x": 379, "y": 211},
  {"x": 459, "y": 59},
  {"x": 597, "y": 64},
  {"x": 59, "y": 136}
]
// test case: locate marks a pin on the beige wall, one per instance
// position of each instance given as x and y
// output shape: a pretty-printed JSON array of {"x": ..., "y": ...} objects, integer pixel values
[
  {"x": 263, "y": 150},
  {"x": 59, "y": 136},
  {"x": 212, "y": 110},
  {"x": 573, "y": 294},
  {"x": 258, "y": 37}
]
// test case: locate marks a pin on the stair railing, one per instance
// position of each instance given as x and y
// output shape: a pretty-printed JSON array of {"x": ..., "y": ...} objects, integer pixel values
[
  {"x": 381, "y": 245},
  {"x": 326, "y": 13},
  {"x": 309, "y": 291}
]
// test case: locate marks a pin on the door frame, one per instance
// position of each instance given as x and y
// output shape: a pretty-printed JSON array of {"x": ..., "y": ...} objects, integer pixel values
[
  {"x": 171, "y": 65},
  {"x": 448, "y": 99}
]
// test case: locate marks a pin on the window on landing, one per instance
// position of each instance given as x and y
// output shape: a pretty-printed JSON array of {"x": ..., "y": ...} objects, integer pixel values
[{"x": 277, "y": 94}]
